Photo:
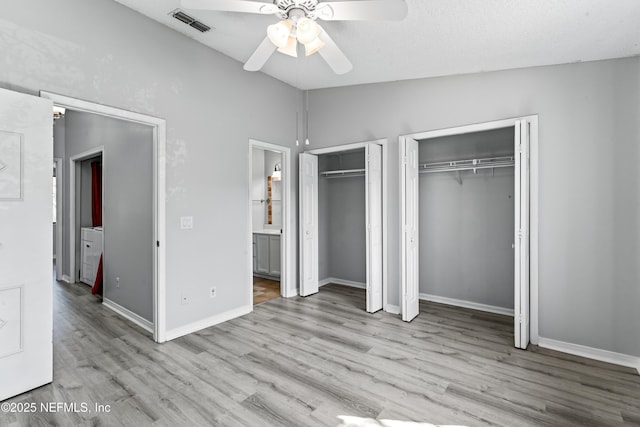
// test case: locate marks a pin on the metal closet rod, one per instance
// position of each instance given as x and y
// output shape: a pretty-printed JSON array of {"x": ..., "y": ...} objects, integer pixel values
[
  {"x": 342, "y": 173},
  {"x": 469, "y": 164}
]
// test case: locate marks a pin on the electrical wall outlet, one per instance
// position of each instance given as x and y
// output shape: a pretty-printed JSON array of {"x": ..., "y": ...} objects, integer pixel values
[
  {"x": 117, "y": 282},
  {"x": 184, "y": 299},
  {"x": 212, "y": 292}
]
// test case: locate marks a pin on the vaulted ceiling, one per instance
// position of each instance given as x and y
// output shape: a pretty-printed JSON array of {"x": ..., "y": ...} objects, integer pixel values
[{"x": 437, "y": 38}]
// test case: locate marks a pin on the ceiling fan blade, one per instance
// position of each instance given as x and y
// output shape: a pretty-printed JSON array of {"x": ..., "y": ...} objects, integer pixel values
[
  {"x": 363, "y": 10},
  {"x": 260, "y": 56},
  {"x": 333, "y": 55},
  {"x": 231, "y": 6}
]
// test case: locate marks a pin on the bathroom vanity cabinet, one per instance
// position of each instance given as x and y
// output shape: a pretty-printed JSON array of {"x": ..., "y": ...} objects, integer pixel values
[{"x": 266, "y": 254}]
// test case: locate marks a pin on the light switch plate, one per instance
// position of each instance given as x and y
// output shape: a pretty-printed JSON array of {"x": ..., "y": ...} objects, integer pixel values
[{"x": 186, "y": 222}]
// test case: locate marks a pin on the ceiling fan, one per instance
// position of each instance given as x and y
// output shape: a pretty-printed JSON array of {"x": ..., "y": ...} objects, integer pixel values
[{"x": 298, "y": 24}]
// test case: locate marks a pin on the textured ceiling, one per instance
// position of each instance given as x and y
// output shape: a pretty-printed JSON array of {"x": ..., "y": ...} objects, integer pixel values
[{"x": 438, "y": 38}]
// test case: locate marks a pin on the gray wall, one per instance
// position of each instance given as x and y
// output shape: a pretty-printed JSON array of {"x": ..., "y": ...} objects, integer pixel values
[
  {"x": 127, "y": 203},
  {"x": 212, "y": 108},
  {"x": 258, "y": 189},
  {"x": 589, "y": 182},
  {"x": 467, "y": 228}
]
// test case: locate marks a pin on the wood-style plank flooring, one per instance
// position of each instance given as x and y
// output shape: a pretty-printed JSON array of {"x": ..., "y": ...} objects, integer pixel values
[
  {"x": 322, "y": 361},
  {"x": 265, "y": 289}
]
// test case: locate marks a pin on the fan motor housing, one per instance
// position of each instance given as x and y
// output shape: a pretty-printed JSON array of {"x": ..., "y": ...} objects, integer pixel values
[{"x": 307, "y": 6}]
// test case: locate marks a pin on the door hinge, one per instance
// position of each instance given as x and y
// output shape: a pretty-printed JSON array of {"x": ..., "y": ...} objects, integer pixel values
[
  {"x": 158, "y": 243},
  {"x": 523, "y": 319}
]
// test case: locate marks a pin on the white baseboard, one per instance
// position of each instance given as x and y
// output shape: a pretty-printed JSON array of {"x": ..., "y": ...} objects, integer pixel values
[
  {"x": 467, "y": 304},
  {"x": 591, "y": 353},
  {"x": 66, "y": 278},
  {"x": 205, "y": 323},
  {"x": 128, "y": 314},
  {"x": 393, "y": 309},
  {"x": 342, "y": 282}
]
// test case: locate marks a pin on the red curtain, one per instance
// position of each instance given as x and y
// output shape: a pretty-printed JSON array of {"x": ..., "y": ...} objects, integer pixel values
[{"x": 96, "y": 193}]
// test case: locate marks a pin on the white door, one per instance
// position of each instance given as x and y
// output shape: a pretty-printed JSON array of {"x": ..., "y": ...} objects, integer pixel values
[
  {"x": 373, "y": 172},
  {"x": 308, "y": 224},
  {"x": 26, "y": 154},
  {"x": 521, "y": 237},
  {"x": 409, "y": 245}
]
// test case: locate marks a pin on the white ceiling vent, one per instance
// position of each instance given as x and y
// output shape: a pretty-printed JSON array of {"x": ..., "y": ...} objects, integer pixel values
[{"x": 190, "y": 21}]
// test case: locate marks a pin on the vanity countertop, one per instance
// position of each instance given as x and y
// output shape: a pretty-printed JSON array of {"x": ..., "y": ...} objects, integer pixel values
[{"x": 267, "y": 231}]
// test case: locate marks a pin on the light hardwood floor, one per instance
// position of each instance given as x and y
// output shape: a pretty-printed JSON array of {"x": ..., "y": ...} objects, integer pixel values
[
  {"x": 322, "y": 361},
  {"x": 265, "y": 290}
]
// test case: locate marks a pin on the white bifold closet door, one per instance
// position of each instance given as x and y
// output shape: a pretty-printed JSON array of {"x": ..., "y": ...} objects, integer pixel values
[
  {"x": 521, "y": 237},
  {"x": 308, "y": 224},
  {"x": 373, "y": 189},
  {"x": 409, "y": 216},
  {"x": 26, "y": 309}
]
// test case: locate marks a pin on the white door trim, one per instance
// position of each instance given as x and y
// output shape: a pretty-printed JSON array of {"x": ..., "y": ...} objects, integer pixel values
[
  {"x": 159, "y": 127},
  {"x": 533, "y": 196},
  {"x": 287, "y": 261},
  {"x": 345, "y": 147},
  {"x": 60, "y": 257}
]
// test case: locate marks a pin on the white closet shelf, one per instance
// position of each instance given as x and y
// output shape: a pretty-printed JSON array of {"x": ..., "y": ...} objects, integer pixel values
[
  {"x": 469, "y": 164},
  {"x": 342, "y": 173}
]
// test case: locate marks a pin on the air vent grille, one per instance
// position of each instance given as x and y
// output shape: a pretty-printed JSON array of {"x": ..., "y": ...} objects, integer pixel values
[
  {"x": 192, "y": 22},
  {"x": 200, "y": 26}
]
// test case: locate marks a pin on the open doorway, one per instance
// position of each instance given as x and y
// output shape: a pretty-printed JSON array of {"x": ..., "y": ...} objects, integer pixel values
[
  {"x": 341, "y": 220},
  {"x": 473, "y": 189},
  {"x": 122, "y": 238},
  {"x": 269, "y": 220},
  {"x": 86, "y": 183}
]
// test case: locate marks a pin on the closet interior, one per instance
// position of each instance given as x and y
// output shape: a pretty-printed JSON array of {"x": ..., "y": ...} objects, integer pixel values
[
  {"x": 342, "y": 218},
  {"x": 466, "y": 220}
]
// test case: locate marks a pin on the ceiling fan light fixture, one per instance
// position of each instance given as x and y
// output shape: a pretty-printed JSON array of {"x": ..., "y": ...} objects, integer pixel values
[
  {"x": 279, "y": 33},
  {"x": 307, "y": 30},
  {"x": 313, "y": 46},
  {"x": 290, "y": 48}
]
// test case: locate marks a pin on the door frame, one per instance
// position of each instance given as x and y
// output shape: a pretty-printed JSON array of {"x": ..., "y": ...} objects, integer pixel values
[
  {"x": 533, "y": 196},
  {"x": 159, "y": 128},
  {"x": 60, "y": 256},
  {"x": 287, "y": 264},
  {"x": 384, "y": 142}
]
